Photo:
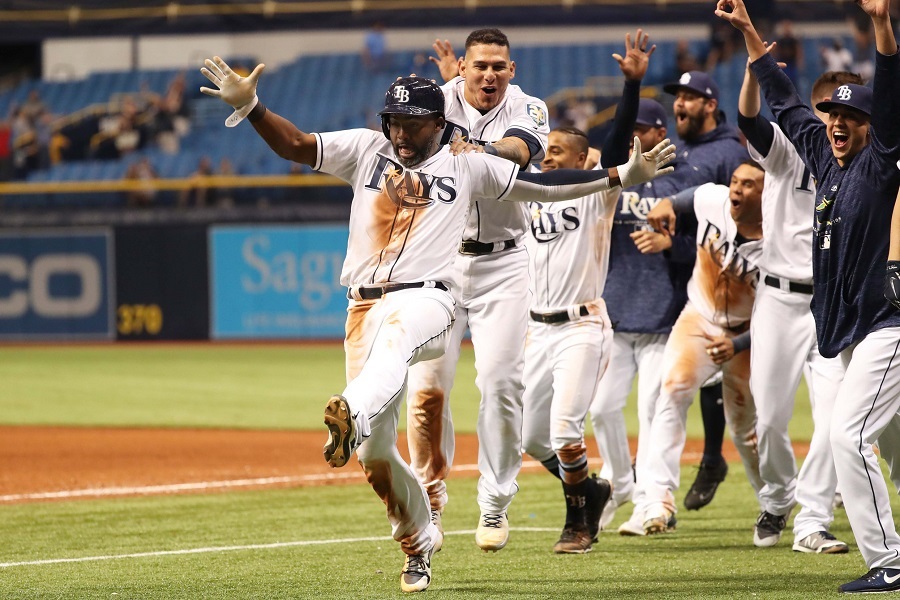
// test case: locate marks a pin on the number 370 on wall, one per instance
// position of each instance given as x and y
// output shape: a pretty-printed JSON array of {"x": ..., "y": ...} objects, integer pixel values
[{"x": 138, "y": 319}]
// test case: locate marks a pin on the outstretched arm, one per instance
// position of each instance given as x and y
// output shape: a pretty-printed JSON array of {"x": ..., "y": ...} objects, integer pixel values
[
  {"x": 567, "y": 184},
  {"x": 880, "y": 13},
  {"x": 634, "y": 67},
  {"x": 736, "y": 13},
  {"x": 281, "y": 135},
  {"x": 758, "y": 130}
]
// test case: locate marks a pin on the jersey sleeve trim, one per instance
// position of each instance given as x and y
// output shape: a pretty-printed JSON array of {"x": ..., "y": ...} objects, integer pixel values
[
  {"x": 509, "y": 184},
  {"x": 319, "y": 152}
]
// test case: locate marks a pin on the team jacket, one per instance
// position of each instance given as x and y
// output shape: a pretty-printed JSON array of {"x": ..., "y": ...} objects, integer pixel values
[
  {"x": 645, "y": 293},
  {"x": 518, "y": 114},
  {"x": 715, "y": 154},
  {"x": 854, "y": 204}
]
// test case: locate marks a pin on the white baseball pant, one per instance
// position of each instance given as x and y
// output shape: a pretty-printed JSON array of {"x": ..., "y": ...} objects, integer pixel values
[
  {"x": 632, "y": 353},
  {"x": 492, "y": 299},
  {"x": 685, "y": 367},
  {"x": 783, "y": 334},
  {"x": 867, "y": 401},
  {"x": 563, "y": 364},
  {"x": 383, "y": 338}
]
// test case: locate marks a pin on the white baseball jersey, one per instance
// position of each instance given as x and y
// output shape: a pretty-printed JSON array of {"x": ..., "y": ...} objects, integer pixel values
[
  {"x": 405, "y": 224},
  {"x": 569, "y": 250},
  {"x": 788, "y": 202},
  {"x": 492, "y": 221},
  {"x": 727, "y": 305}
]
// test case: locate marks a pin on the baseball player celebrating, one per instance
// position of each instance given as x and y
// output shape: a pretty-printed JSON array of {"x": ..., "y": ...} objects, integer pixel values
[
  {"x": 645, "y": 289},
  {"x": 720, "y": 298},
  {"x": 491, "y": 270},
  {"x": 411, "y": 201},
  {"x": 784, "y": 336},
  {"x": 569, "y": 337},
  {"x": 853, "y": 159}
]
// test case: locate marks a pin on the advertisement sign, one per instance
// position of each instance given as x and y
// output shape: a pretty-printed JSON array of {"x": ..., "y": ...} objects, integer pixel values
[
  {"x": 277, "y": 282},
  {"x": 162, "y": 283},
  {"x": 56, "y": 285}
]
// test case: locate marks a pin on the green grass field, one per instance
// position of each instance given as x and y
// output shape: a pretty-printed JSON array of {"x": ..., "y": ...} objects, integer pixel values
[{"x": 333, "y": 542}]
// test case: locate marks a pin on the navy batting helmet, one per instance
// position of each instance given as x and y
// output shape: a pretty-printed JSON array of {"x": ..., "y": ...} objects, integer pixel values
[{"x": 411, "y": 96}]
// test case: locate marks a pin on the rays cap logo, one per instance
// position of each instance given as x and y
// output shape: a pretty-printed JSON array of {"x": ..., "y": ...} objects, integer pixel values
[
  {"x": 697, "y": 82},
  {"x": 857, "y": 97},
  {"x": 537, "y": 114},
  {"x": 650, "y": 113},
  {"x": 411, "y": 96}
]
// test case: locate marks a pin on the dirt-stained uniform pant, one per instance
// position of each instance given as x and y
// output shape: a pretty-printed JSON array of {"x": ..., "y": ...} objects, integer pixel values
[
  {"x": 563, "y": 364},
  {"x": 492, "y": 297},
  {"x": 385, "y": 337},
  {"x": 783, "y": 334},
  {"x": 632, "y": 353},
  {"x": 865, "y": 410},
  {"x": 686, "y": 366}
]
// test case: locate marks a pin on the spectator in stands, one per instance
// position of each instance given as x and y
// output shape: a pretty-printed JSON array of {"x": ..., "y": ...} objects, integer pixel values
[
  {"x": 176, "y": 106},
  {"x": 864, "y": 41},
  {"x": 198, "y": 193},
  {"x": 6, "y": 166},
  {"x": 789, "y": 50},
  {"x": 375, "y": 55},
  {"x": 225, "y": 195},
  {"x": 143, "y": 174},
  {"x": 684, "y": 59},
  {"x": 836, "y": 57},
  {"x": 34, "y": 106},
  {"x": 722, "y": 44},
  {"x": 24, "y": 144}
]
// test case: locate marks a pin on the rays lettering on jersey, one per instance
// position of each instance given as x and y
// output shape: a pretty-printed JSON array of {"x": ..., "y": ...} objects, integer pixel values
[
  {"x": 410, "y": 189},
  {"x": 546, "y": 226},
  {"x": 633, "y": 204},
  {"x": 738, "y": 266}
]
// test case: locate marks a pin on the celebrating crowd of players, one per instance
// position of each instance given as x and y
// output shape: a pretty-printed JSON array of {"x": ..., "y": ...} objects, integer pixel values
[{"x": 745, "y": 265}]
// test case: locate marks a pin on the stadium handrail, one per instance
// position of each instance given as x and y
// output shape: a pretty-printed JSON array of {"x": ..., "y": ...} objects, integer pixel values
[{"x": 186, "y": 183}]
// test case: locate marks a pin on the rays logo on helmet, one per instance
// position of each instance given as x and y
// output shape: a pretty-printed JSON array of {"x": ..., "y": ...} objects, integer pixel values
[
  {"x": 537, "y": 115},
  {"x": 401, "y": 94}
]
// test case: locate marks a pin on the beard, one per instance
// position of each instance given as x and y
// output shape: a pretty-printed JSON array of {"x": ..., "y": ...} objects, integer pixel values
[
  {"x": 690, "y": 129},
  {"x": 420, "y": 153}
]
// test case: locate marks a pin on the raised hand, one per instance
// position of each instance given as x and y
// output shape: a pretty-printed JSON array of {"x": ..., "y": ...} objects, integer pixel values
[
  {"x": 642, "y": 167},
  {"x": 637, "y": 57},
  {"x": 446, "y": 60},
  {"x": 877, "y": 9},
  {"x": 233, "y": 89},
  {"x": 735, "y": 12}
]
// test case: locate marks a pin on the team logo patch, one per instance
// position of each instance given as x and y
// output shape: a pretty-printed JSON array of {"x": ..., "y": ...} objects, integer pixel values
[
  {"x": 537, "y": 115},
  {"x": 844, "y": 93}
]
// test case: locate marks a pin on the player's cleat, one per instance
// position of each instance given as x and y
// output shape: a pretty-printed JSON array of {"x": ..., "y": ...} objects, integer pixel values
[
  {"x": 416, "y": 573},
  {"x": 634, "y": 525},
  {"x": 574, "y": 540},
  {"x": 436, "y": 519},
  {"x": 703, "y": 490},
  {"x": 609, "y": 511},
  {"x": 598, "y": 498},
  {"x": 341, "y": 432},
  {"x": 821, "y": 542},
  {"x": 875, "y": 581},
  {"x": 659, "y": 520},
  {"x": 768, "y": 528},
  {"x": 492, "y": 532}
]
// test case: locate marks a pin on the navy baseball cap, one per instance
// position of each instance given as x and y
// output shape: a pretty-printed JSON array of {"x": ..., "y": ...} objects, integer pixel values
[
  {"x": 650, "y": 113},
  {"x": 695, "y": 81},
  {"x": 855, "y": 96}
]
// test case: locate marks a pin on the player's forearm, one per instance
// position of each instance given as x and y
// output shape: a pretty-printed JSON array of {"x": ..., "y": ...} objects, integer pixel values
[
  {"x": 894, "y": 249},
  {"x": 512, "y": 149},
  {"x": 748, "y": 100},
  {"x": 283, "y": 137},
  {"x": 558, "y": 185}
]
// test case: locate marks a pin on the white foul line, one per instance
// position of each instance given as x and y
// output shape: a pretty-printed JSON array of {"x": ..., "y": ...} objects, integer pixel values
[
  {"x": 207, "y": 485},
  {"x": 274, "y": 545}
]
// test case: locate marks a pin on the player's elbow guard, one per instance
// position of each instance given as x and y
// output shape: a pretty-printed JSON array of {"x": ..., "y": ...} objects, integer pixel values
[{"x": 892, "y": 283}]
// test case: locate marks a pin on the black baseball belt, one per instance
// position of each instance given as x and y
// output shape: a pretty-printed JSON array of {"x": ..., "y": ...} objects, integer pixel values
[
  {"x": 558, "y": 316},
  {"x": 786, "y": 285},
  {"x": 374, "y": 292},
  {"x": 476, "y": 248}
]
